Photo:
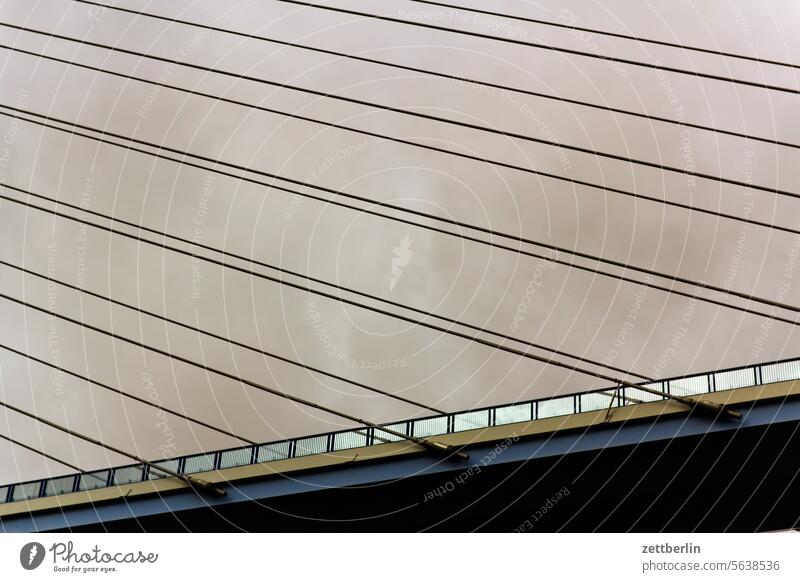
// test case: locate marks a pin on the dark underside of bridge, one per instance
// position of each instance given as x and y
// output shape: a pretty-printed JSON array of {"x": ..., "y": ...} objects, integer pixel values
[{"x": 720, "y": 482}]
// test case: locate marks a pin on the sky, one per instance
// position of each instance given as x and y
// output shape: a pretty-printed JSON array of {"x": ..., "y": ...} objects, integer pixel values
[{"x": 630, "y": 326}]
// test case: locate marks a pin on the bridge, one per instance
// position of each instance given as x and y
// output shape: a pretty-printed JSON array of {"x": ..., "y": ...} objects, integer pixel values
[{"x": 614, "y": 459}]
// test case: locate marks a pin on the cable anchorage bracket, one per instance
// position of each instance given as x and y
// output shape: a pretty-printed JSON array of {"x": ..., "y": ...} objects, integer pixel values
[
  {"x": 204, "y": 486},
  {"x": 443, "y": 449}
]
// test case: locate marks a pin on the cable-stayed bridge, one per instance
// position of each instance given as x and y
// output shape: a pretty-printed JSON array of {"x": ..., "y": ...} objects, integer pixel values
[{"x": 664, "y": 167}]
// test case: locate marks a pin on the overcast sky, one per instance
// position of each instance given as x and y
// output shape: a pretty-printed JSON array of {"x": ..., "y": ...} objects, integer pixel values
[{"x": 644, "y": 330}]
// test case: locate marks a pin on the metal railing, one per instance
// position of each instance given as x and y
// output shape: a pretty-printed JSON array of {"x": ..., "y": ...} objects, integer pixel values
[{"x": 422, "y": 427}]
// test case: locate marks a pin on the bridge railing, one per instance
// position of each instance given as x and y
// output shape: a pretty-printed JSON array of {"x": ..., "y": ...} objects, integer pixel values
[{"x": 421, "y": 427}]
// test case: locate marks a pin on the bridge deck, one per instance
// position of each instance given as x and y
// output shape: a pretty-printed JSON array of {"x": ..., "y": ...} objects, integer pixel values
[{"x": 600, "y": 427}]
